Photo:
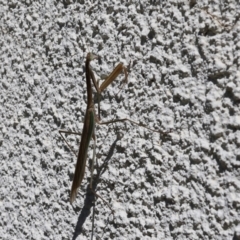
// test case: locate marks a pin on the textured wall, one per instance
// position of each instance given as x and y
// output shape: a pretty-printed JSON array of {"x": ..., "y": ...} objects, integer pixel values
[{"x": 184, "y": 76}]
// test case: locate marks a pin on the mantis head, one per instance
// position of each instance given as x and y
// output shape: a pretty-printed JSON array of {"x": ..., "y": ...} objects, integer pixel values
[{"x": 91, "y": 56}]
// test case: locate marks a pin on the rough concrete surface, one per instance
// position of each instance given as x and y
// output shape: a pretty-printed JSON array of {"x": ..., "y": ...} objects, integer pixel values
[{"x": 184, "y": 78}]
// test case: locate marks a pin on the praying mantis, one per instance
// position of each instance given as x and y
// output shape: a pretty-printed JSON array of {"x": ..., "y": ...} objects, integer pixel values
[{"x": 90, "y": 120}]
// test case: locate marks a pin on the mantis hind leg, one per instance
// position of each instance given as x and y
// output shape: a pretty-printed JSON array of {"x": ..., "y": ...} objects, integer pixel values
[{"x": 68, "y": 132}]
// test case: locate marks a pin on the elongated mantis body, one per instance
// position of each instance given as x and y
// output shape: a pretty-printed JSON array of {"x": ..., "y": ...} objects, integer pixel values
[{"x": 89, "y": 122}]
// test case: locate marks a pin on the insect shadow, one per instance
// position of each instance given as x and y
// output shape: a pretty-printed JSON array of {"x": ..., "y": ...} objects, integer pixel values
[{"x": 90, "y": 198}]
